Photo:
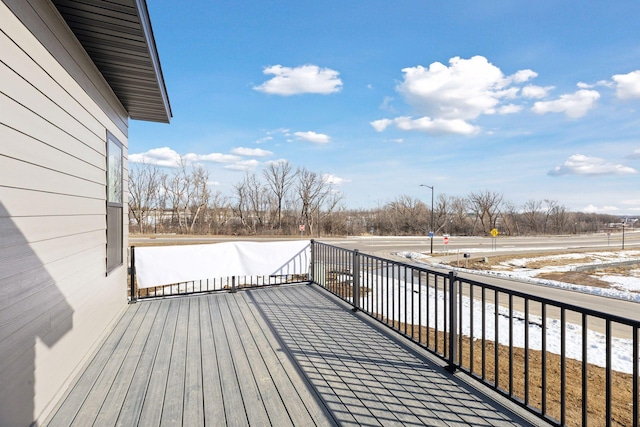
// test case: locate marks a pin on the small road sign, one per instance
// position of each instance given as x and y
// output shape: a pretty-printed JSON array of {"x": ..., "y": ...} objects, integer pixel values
[
  {"x": 446, "y": 240},
  {"x": 494, "y": 232}
]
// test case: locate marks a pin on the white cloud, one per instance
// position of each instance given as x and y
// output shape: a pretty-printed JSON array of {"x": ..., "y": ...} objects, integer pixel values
[
  {"x": 243, "y": 165},
  {"x": 304, "y": 79},
  {"x": 167, "y": 157},
  {"x": 603, "y": 209},
  {"x": 579, "y": 164},
  {"x": 464, "y": 90},
  {"x": 213, "y": 157},
  {"x": 427, "y": 124},
  {"x": 382, "y": 124},
  {"x": 537, "y": 92},
  {"x": 310, "y": 136},
  {"x": 572, "y": 105},
  {"x": 283, "y": 131},
  {"x": 605, "y": 83},
  {"x": 163, "y": 156},
  {"x": 386, "y": 104},
  {"x": 634, "y": 155},
  {"x": 522, "y": 76},
  {"x": 332, "y": 179},
  {"x": 277, "y": 162},
  {"x": 251, "y": 152},
  {"x": 264, "y": 139},
  {"x": 509, "y": 109},
  {"x": 627, "y": 85}
]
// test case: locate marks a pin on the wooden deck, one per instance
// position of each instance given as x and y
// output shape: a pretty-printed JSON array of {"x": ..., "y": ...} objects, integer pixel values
[{"x": 288, "y": 355}]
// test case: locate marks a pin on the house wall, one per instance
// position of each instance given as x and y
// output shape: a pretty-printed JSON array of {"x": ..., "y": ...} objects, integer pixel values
[{"x": 56, "y": 300}]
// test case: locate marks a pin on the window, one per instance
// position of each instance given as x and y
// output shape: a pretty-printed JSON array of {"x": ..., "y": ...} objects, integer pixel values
[{"x": 114, "y": 203}]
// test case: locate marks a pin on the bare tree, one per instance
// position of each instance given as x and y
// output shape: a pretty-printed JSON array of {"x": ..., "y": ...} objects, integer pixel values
[
  {"x": 510, "y": 219},
  {"x": 240, "y": 207},
  {"x": 216, "y": 213},
  {"x": 257, "y": 200},
  {"x": 559, "y": 219},
  {"x": 198, "y": 194},
  {"x": 332, "y": 203},
  {"x": 145, "y": 181},
  {"x": 458, "y": 209},
  {"x": 443, "y": 213},
  {"x": 486, "y": 207},
  {"x": 280, "y": 178},
  {"x": 186, "y": 192},
  {"x": 408, "y": 215},
  {"x": 175, "y": 189},
  {"x": 312, "y": 188},
  {"x": 550, "y": 207},
  {"x": 532, "y": 214}
]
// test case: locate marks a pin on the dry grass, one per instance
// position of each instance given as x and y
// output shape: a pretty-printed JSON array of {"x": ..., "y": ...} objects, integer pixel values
[
  {"x": 546, "y": 259},
  {"x": 576, "y": 278},
  {"x": 539, "y": 259},
  {"x": 621, "y": 398}
]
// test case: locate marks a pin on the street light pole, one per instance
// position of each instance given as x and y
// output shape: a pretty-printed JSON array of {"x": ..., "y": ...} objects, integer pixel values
[{"x": 431, "y": 232}]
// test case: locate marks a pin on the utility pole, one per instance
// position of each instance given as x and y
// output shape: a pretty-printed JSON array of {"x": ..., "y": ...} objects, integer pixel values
[{"x": 430, "y": 232}]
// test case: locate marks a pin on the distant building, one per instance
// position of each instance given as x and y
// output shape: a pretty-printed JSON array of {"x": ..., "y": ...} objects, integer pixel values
[{"x": 72, "y": 73}]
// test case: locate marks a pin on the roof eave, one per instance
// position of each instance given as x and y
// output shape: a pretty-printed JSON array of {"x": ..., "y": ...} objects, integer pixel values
[{"x": 118, "y": 36}]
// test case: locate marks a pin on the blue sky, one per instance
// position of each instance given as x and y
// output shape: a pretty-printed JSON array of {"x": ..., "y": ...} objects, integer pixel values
[{"x": 534, "y": 100}]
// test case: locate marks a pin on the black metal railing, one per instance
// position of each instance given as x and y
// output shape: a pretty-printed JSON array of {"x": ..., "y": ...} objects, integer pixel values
[
  {"x": 545, "y": 355},
  {"x": 215, "y": 284}
]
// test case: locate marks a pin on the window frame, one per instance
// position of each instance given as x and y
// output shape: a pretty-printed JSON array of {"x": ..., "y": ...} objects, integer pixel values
[{"x": 114, "y": 201}]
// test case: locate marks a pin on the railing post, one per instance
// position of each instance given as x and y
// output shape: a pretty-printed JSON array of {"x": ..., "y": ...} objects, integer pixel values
[
  {"x": 356, "y": 280},
  {"x": 312, "y": 276},
  {"x": 132, "y": 276},
  {"x": 453, "y": 322},
  {"x": 233, "y": 285}
]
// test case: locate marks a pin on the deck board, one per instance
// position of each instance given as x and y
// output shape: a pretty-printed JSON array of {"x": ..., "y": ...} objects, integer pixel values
[
  {"x": 173, "y": 404},
  {"x": 211, "y": 386},
  {"x": 234, "y": 409},
  {"x": 115, "y": 398},
  {"x": 193, "y": 414},
  {"x": 286, "y": 355},
  {"x": 255, "y": 363},
  {"x": 254, "y": 405},
  {"x": 134, "y": 400},
  {"x": 155, "y": 392}
]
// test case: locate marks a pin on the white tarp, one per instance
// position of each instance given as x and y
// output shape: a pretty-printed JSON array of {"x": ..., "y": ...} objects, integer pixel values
[{"x": 164, "y": 265}]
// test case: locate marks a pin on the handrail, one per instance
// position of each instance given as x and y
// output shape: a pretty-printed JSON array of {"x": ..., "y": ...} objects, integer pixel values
[{"x": 459, "y": 320}]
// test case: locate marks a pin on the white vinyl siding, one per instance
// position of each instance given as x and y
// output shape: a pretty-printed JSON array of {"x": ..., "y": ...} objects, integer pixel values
[{"x": 56, "y": 303}]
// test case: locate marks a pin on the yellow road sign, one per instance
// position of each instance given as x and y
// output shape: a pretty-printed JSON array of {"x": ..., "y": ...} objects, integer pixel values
[{"x": 494, "y": 232}]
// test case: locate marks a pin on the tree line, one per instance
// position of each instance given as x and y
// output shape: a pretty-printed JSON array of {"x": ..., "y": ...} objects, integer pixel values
[{"x": 287, "y": 201}]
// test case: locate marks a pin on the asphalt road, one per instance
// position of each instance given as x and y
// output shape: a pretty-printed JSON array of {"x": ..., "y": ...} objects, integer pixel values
[{"x": 482, "y": 246}]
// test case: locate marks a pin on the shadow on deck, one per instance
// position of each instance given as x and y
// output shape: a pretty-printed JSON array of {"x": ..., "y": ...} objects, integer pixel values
[{"x": 288, "y": 355}]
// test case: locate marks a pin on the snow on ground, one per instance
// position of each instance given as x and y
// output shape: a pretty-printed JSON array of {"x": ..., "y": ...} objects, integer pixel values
[
  {"x": 625, "y": 287},
  {"x": 391, "y": 302},
  {"x": 629, "y": 284}
]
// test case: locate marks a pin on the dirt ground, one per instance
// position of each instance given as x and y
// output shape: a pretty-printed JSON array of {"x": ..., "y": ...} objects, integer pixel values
[
  {"x": 513, "y": 366},
  {"x": 574, "y": 277},
  {"x": 621, "y": 397}
]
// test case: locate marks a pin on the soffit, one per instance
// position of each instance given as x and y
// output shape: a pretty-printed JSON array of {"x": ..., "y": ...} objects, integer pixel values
[{"x": 118, "y": 37}]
